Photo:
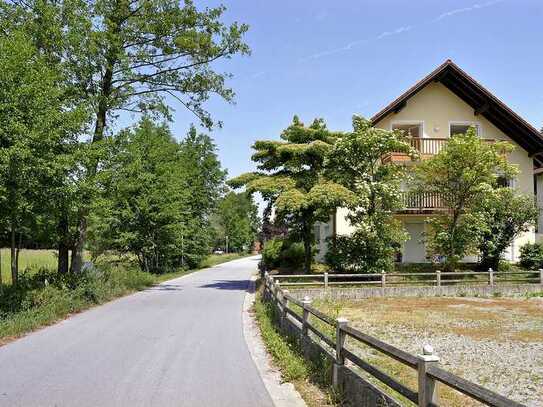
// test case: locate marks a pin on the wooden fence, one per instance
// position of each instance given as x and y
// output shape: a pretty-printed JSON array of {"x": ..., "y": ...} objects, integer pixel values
[
  {"x": 426, "y": 364},
  {"x": 437, "y": 279}
]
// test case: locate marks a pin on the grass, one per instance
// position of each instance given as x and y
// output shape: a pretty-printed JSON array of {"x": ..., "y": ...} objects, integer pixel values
[
  {"x": 308, "y": 377},
  {"x": 44, "y": 297}
]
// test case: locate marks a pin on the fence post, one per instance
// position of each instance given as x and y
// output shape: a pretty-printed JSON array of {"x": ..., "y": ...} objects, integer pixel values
[
  {"x": 427, "y": 386},
  {"x": 340, "y": 343},
  {"x": 305, "y": 317},
  {"x": 541, "y": 276},
  {"x": 326, "y": 280},
  {"x": 491, "y": 277},
  {"x": 383, "y": 279},
  {"x": 284, "y": 306},
  {"x": 438, "y": 278}
]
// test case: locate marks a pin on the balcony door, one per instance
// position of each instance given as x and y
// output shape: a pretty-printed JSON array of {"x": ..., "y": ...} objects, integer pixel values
[{"x": 413, "y": 130}]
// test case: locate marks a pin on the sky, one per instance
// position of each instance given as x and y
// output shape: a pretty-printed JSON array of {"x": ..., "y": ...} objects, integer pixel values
[{"x": 333, "y": 59}]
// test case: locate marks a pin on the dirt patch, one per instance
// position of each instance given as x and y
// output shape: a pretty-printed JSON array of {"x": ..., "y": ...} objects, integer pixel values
[{"x": 495, "y": 342}]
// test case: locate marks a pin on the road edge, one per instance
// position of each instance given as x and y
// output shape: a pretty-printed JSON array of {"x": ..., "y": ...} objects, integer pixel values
[{"x": 283, "y": 394}]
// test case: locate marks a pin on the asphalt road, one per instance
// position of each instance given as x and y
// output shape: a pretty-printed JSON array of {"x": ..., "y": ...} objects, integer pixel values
[{"x": 177, "y": 344}]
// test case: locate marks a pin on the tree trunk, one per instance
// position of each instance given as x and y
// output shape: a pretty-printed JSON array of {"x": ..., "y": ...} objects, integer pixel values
[
  {"x": 63, "y": 246},
  {"x": 79, "y": 245},
  {"x": 307, "y": 238},
  {"x": 13, "y": 256}
]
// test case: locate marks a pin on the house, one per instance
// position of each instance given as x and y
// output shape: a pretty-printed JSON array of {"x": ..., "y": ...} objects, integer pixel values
[{"x": 446, "y": 102}]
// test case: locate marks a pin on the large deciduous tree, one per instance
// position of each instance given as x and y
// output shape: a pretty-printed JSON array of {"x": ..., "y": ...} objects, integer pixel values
[
  {"x": 156, "y": 197},
  {"x": 124, "y": 55},
  {"x": 356, "y": 162},
  {"x": 463, "y": 174},
  {"x": 291, "y": 175},
  {"x": 38, "y": 129}
]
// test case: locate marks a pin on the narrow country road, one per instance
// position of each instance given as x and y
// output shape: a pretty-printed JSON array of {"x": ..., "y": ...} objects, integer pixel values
[{"x": 177, "y": 344}]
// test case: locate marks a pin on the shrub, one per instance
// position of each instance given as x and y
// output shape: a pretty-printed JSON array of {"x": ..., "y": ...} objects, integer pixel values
[
  {"x": 531, "y": 255},
  {"x": 292, "y": 255},
  {"x": 271, "y": 253}
]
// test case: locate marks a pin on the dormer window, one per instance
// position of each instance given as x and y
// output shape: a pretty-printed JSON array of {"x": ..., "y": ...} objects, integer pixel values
[{"x": 462, "y": 128}]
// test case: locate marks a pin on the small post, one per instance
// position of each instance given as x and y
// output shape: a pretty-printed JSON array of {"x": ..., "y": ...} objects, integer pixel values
[
  {"x": 541, "y": 276},
  {"x": 427, "y": 386},
  {"x": 383, "y": 279},
  {"x": 326, "y": 280},
  {"x": 305, "y": 316},
  {"x": 340, "y": 343},
  {"x": 284, "y": 305},
  {"x": 438, "y": 278},
  {"x": 491, "y": 277}
]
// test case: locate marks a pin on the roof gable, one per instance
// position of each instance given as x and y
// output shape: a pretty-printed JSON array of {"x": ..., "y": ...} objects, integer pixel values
[{"x": 481, "y": 100}]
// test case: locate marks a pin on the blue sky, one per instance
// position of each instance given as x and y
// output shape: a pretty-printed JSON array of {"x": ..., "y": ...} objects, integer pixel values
[{"x": 333, "y": 59}]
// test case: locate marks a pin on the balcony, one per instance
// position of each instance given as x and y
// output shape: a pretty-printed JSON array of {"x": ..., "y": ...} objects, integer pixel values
[
  {"x": 417, "y": 202},
  {"x": 427, "y": 147}
]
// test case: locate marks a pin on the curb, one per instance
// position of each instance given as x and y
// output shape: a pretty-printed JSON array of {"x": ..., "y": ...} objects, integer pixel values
[{"x": 282, "y": 394}]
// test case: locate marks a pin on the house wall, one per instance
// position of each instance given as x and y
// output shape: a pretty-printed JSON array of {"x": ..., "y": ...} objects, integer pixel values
[{"x": 436, "y": 106}]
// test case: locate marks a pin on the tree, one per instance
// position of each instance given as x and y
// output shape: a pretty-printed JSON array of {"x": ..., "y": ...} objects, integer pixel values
[
  {"x": 463, "y": 174},
  {"x": 37, "y": 129},
  {"x": 156, "y": 197},
  {"x": 128, "y": 55},
  {"x": 291, "y": 175},
  {"x": 506, "y": 214},
  {"x": 355, "y": 161},
  {"x": 236, "y": 219}
]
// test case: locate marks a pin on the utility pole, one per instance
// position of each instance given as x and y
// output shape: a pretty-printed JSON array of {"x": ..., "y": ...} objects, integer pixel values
[{"x": 226, "y": 244}]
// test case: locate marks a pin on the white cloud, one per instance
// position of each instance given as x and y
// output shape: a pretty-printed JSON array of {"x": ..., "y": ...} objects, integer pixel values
[
  {"x": 466, "y": 9},
  {"x": 399, "y": 30}
]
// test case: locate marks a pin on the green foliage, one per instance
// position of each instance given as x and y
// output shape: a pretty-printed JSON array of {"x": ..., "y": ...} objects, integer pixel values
[
  {"x": 531, "y": 256},
  {"x": 463, "y": 174},
  {"x": 506, "y": 214},
  {"x": 236, "y": 219},
  {"x": 291, "y": 175},
  {"x": 355, "y": 161},
  {"x": 271, "y": 252},
  {"x": 157, "y": 196}
]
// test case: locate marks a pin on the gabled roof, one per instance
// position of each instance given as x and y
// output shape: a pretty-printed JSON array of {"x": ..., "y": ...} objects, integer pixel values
[{"x": 482, "y": 101}]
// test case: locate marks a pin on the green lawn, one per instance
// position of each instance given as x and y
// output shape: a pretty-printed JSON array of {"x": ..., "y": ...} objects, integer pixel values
[{"x": 31, "y": 259}]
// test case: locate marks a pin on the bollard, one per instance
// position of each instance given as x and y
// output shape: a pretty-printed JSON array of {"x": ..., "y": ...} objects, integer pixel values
[
  {"x": 305, "y": 316},
  {"x": 340, "y": 343},
  {"x": 491, "y": 277},
  {"x": 427, "y": 386}
]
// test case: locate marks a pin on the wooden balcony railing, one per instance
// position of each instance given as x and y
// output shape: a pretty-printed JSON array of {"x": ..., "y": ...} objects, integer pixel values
[
  {"x": 426, "y": 147},
  {"x": 418, "y": 201}
]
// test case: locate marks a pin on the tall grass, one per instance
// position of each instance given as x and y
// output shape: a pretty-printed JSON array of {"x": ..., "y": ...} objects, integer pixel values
[{"x": 31, "y": 260}]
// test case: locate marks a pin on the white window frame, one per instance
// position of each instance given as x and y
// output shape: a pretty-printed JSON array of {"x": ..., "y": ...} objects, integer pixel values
[
  {"x": 403, "y": 122},
  {"x": 467, "y": 123}
]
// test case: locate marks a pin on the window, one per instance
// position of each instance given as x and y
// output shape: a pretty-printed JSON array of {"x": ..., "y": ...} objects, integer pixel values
[
  {"x": 410, "y": 129},
  {"x": 505, "y": 182},
  {"x": 462, "y": 128}
]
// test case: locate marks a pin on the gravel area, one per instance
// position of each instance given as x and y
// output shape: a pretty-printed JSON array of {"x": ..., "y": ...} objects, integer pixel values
[{"x": 497, "y": 343}]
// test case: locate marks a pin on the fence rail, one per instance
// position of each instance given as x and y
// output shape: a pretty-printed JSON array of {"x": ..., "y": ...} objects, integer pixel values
[
  {"x": 438, "y": 278},
  {"x": 426, "y": 364}
]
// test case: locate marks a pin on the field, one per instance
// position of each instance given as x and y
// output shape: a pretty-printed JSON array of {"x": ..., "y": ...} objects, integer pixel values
[
  {"x": 32, "y": 259},
  {"x": 497, "y": 342}
]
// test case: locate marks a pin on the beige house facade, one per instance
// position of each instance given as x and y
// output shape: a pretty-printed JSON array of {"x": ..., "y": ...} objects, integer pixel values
[{"x": 447, "y": 102}]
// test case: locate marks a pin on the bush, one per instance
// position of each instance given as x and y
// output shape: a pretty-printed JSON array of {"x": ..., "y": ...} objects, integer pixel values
[
  {"x": 292, "y": 255},
  {"x": 271, "y": 253},
  {"x": 531, "y": 256}
]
